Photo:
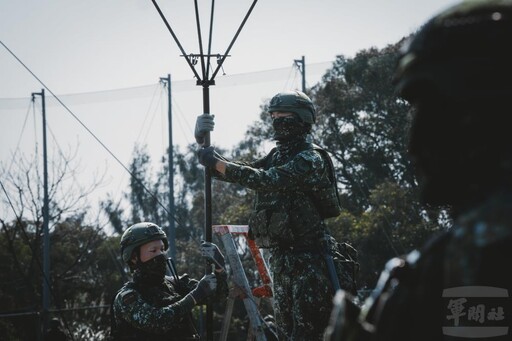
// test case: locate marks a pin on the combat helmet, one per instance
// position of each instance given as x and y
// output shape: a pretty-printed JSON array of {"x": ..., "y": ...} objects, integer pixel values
[
  {"x": 140, "y": 234},
  {"x": 296, "y": 102},
  {"x": 463, "y": 52}
]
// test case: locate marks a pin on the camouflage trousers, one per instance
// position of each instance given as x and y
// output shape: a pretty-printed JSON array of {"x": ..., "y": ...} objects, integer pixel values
[{"x": 302, "y": 295}]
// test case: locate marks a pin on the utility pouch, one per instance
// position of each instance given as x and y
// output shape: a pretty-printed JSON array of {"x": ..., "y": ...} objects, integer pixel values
[
  {"x": 326, "y": 199},
  {"x": 270, "y": 229},
  {"x": 279, "y": 230},
  {"x": 258, "y": 228},
  {"x": 326, "y": 202}
]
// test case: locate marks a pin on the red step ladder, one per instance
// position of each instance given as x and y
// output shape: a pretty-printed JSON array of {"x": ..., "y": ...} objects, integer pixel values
[{"x": 250, "y": 296}]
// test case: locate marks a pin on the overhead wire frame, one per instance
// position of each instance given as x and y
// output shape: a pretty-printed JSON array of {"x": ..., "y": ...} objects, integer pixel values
[{"x": 205, "y": 80}]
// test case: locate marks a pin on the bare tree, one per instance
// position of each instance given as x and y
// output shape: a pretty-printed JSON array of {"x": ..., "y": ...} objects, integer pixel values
[
  {"x": 83, "y": 271},
  {"x": 23, "y": 183}
]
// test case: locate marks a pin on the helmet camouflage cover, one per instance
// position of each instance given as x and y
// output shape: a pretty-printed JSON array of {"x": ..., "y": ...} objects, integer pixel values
[
  {"x": 296, "y": 102},
  {"x": 463, "y": 52},
  {"x": 140, "y": 234}
]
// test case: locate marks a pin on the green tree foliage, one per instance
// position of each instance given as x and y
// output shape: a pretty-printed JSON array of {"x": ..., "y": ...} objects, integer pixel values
[
  {"x": 147, "y": 198},
  {"x": 363, "y": 124},
  {"x": 392, "y": 227},
  {"x": 144, "y": 198},
  {"x": 80, "y": 255},
  {"x": 85, "y": 273}
]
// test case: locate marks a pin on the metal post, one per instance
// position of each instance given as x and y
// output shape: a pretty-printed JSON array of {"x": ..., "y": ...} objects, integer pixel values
[
  {"x": 171, "y": 233},
  {"x": 301, "y": 65},
  {"x": 205, "y": 81},
  {"x": 46, "y": 232},
  {"x": 208, "y": 211}
]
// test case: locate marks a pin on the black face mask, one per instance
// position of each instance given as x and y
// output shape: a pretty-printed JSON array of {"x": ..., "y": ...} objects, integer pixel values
[
  {"x": 286, "y": 128},
  {"x": 151, "y": 271}
]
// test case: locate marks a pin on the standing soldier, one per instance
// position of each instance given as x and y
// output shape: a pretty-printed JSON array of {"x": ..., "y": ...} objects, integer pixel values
[
  {"x": 153, "y": 305},
  {"x": 295, "y": 191},
  {"x": 457, "y": 74}
]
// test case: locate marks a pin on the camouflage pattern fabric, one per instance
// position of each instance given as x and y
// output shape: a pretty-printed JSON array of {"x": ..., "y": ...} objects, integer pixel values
[
  {"x": 284, "y": 214},
  {"x": 408, "y": 302},
  {"x": 157, "y": 310},
  {"x": 302, "y": 294},
  {"x": 286, "y": 221},
  {"x": 144, "y": 311}
]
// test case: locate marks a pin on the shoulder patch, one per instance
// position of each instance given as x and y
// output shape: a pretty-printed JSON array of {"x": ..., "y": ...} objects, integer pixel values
[
  {"x": 306, "y": 161},
  {"x": 302, "y": 166}
]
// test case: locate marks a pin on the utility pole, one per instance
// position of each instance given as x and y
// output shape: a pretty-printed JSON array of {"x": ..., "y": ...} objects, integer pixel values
[
  {"x": 171, "y": 233},
  {"x": 46, "y": 232},
  {"x": 301, "y": 65}
]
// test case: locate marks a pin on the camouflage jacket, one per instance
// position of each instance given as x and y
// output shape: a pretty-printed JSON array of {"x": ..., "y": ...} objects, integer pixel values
[
  {"x": 144, "y": 312},
  {"x": 285, "y": 212}
]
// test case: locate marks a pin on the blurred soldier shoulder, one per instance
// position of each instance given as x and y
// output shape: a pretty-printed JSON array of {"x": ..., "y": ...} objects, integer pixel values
[{"x": 456, "y": 72}]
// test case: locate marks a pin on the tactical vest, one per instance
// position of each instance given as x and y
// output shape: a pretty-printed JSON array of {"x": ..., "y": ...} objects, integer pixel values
[
  {"x": 326, "y": 199},
  {"x": 294, "y": 218},
  {"x": 123, "y": 331}
]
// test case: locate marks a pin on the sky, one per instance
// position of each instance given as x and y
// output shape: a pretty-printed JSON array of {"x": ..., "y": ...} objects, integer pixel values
[{"x": 103, "y": 59}]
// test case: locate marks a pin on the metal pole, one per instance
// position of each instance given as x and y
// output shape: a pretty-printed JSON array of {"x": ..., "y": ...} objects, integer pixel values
[
  {"x": 208, "y": 211},
  {"x": 171, "y": 233},
  {"x": 301, "y": 65},
  {"x": 46, "y": 232},
  {"x": 205, "y": 81},
  {"x": 303, "y": 74}
]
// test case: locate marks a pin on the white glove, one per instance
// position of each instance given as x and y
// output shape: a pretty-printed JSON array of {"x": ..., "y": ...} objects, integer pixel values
[{"x": 204, "y": 125}]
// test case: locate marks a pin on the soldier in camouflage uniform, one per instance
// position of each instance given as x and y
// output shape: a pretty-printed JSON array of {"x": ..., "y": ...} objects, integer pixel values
[
  {"x": 154, "y": 305},
  {"x": 457, "y": 74},
  {"x": 295, "y": 190}
]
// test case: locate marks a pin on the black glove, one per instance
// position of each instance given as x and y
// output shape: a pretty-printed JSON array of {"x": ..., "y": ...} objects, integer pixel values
[
  {"x": 204, "y": 125},
  {"x": 205, "y": 288},
  {"x": 207, "y": 157},
  {"x": 211, "y": 252}
]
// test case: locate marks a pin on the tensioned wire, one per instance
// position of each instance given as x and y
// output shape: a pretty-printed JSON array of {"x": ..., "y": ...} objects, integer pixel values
[
  {"x": 142, "y": 91},
  {"x": 90, "y": 132},
  {"x": 19, "y": 138}
]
